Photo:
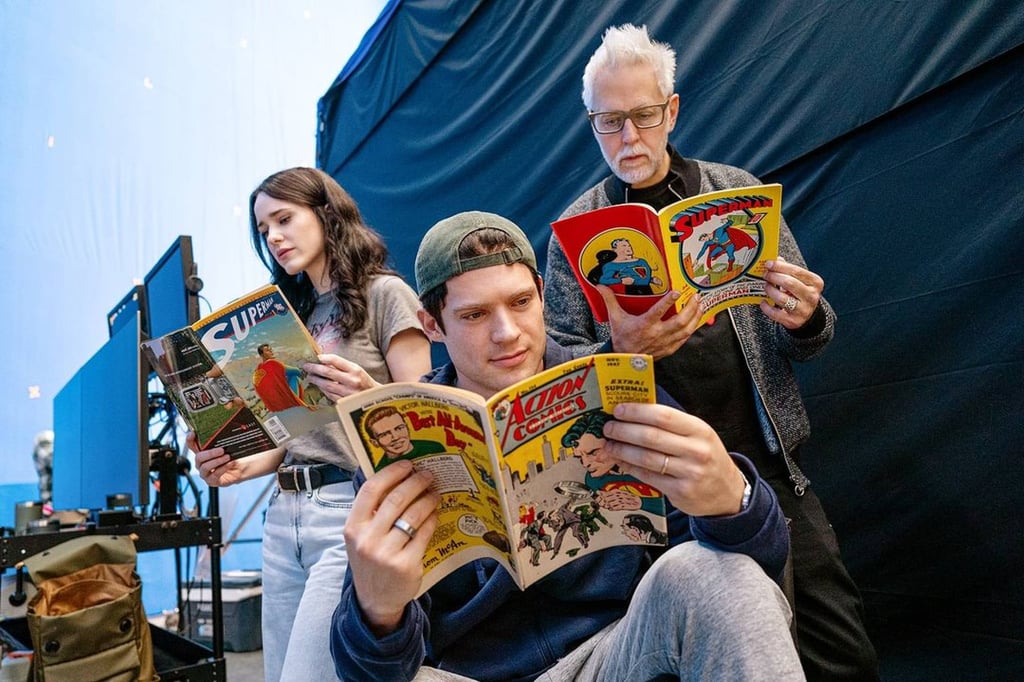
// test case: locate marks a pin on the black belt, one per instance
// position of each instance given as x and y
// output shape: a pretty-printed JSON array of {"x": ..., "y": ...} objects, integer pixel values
[{"x": 310, "y": 477}]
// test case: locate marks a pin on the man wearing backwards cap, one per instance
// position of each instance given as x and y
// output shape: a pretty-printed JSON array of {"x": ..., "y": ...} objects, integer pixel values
[{"x": 704, "y": 609}]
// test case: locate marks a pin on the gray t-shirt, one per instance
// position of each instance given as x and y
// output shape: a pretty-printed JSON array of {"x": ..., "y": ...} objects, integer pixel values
[{"x": 391, "y": 308}]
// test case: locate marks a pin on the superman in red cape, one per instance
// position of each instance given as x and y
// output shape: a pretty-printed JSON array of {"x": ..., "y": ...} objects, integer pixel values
[
  {"x": 276, "y": 383},
  {"x": 725, "y": 239}
]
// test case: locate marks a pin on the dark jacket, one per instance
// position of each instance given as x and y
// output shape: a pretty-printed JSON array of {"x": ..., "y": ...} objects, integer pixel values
[{"x": 477, "y": 623}]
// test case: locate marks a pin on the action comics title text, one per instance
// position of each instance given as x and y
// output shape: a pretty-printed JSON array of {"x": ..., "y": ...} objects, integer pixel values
[{"x": 530, "y": 414}]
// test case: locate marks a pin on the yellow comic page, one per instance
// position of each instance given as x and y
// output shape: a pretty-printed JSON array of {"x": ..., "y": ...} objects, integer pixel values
[
  {"x": 570, "y": 499},
  {"x": 434, "y": 429},
  {"x": 717, "y": 244}
]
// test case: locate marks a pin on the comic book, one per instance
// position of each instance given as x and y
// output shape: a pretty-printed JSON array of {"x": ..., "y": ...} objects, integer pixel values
[
  {"x": 236, "y": 378},
  {"x": 714, "y": 244},
  {"x": 521, "y": 475}
]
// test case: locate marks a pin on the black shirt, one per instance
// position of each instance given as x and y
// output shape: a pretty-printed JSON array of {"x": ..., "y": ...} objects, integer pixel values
[{"x": 707, "y": 375}]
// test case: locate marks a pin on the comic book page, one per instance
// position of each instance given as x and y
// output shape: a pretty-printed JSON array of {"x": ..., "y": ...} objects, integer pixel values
[
  {"x": 569, "y": 499},
  {"x": 447, "y": 431},
  {"x": 620, "y": 247},
  {"x": 522, "y": 478},
  {"x": 257, "y": 345},
  {"x": 205, "y": 399},
  {"x": 717, "y": 244},
  {"x": 714, "y": 244}
]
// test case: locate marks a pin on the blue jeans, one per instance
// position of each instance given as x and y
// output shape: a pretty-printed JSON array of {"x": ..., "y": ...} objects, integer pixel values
[{"x": 304, "y": 563}]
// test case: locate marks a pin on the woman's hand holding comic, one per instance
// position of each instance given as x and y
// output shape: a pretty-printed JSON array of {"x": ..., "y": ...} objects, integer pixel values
[
  {"x": 215, "y": 467},
  {"x": 337, "y": 377}
]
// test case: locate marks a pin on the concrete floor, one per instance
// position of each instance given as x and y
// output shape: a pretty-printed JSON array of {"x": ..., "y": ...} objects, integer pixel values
[{"x": 244, "y": 666}]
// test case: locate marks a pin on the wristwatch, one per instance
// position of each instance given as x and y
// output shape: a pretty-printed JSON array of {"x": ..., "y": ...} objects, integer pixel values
[{"x": 747, "y": 491}]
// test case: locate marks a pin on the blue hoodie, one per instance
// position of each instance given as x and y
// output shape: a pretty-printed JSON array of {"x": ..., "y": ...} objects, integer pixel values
[{"x": 477, "y": 623}]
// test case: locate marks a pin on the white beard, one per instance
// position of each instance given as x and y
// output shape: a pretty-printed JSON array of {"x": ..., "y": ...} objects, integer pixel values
[{"x": 635, "y": 174}]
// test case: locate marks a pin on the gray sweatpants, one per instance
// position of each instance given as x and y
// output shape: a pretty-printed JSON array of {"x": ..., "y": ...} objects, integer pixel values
[{"x": 698, "y": 614}]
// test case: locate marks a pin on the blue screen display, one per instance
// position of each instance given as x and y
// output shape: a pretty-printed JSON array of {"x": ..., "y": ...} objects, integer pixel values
[
  {"x": 100, "y": 422},
  {"x": 166, "y": 293},
  {"x": 124, "y": 312}
]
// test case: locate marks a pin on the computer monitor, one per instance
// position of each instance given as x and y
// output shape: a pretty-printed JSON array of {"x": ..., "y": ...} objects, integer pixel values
[
  {"x": 123, "y": 313},
  {"x": 100, "y": 423},
  {"x": 172, "y": 289}
]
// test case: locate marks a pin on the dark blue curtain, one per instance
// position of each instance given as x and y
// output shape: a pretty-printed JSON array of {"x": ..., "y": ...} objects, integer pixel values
[{"x": 897, "y": 130}]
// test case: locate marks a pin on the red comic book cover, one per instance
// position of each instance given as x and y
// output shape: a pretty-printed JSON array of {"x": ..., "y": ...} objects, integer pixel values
[{"x": 714, "y": 244}]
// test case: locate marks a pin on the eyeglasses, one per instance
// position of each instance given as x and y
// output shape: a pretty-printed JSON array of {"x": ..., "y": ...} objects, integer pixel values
[{"x": 608, "y": 122}]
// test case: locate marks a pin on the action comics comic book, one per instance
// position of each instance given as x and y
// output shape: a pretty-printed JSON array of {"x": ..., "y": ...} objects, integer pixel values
[{"x": 521, "y": 476}]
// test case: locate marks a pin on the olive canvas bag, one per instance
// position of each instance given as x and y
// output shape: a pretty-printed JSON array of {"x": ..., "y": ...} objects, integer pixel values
[{"x": 86, "y": 619}]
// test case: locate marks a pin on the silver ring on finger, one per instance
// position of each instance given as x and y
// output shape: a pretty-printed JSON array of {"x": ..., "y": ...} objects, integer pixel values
[{"x": 404, "y": 526}]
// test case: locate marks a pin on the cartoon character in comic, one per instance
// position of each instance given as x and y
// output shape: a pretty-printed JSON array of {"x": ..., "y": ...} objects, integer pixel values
[
  {"x": 388, "y": 430},
  {"x": 278, "y": 385},
  {"x": 724, "y": 240},
  {"x": 502, "y": 409},
  {"x": 567, "y": 520},
  {"x": 590, "y": 514},
  {"x": 639, "y": 528},
  {"x": 536, "y": 538},
  {"x": 614, "y": 490},
  {"x": 485, "y": 476},
  {"x": 620, "y": 266}
]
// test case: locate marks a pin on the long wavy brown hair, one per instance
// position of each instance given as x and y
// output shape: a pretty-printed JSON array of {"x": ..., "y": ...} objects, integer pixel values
[{"x": 355, "y": 252}]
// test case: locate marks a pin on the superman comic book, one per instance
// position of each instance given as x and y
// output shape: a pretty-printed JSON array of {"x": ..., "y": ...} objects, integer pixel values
[
  {"x": 236, "y": 378},
  {"x": 713, "y": 244}
]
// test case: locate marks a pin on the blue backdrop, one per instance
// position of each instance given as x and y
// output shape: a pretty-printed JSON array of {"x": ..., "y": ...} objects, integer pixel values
[
  {"x": 124, "y": 124},
  {"x": 897, "y": 130}
]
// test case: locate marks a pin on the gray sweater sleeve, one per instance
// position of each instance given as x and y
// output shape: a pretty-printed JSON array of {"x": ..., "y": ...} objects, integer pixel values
[
  {"x": 568, "y": 317},
  {"x": 768, "y": 347}
]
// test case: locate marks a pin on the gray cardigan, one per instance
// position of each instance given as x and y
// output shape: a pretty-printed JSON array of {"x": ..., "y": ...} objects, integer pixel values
[{"x": 768, "y": 347}]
